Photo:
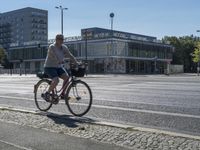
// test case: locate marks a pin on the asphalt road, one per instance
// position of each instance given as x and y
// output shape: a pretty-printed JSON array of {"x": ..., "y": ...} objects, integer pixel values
[{"x": 156, "y": 101}]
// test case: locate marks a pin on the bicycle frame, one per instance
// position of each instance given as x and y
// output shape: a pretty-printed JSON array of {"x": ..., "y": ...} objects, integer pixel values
[
  {"x": 66, "y": 84},
  {"x": 70, "y": 91}
]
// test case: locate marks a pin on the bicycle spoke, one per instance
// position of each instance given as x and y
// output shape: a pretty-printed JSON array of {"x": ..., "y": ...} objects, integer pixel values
[
  {"x": 79, "y": 98},
  {"x": 41, "y": 103}
]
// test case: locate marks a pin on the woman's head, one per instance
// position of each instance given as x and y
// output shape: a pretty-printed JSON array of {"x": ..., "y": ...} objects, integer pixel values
[{"x": 59, "y": 39}]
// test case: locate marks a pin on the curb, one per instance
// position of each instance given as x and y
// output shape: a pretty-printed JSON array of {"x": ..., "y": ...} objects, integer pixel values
[{"x": 109, "y": 124}]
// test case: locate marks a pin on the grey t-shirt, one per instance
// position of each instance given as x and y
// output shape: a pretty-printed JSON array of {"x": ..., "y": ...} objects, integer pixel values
[{"x": 56, "y": 55}]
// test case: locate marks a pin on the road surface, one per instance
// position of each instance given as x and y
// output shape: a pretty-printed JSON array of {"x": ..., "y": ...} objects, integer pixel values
[{"x": 155, "y": 101}]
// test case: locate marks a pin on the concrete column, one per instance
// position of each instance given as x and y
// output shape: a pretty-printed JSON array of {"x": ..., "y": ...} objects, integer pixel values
[
  {"x": 32, "y": 67},
  {"x": 168, "y": 68}
]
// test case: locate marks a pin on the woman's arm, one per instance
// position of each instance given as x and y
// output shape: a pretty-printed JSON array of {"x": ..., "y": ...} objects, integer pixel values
[{"x": 68, "y": 54}]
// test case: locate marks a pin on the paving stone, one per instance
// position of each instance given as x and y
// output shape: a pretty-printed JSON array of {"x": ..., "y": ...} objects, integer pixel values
[{"x": 139, "y": 140}]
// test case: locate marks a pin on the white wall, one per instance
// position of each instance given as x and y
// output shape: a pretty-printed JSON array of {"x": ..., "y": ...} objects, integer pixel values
[{"x": 176, "y": 69}]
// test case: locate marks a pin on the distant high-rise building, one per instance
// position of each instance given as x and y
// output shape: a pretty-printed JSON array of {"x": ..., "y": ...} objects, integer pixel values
[{"x": 23, "y": 26}]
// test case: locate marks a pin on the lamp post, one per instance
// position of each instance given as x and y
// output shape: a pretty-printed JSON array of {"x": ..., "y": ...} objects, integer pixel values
[
  {"x": 86, "y": 53},
  {"x": 198, "y": 63},
  {"x": 61, "y": 8},
  {"x": 112, "y": 50},
  {"x": 155, "y": 64},
  {"x": 86, "y": 32},
  {"x": 112, "y": 16}
]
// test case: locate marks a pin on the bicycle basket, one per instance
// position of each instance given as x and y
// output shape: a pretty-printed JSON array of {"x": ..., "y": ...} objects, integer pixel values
[{"x": 78, "y": 73}]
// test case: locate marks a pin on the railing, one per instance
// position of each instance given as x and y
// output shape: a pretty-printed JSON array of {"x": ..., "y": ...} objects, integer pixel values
[{"x": 17, "y": 71}]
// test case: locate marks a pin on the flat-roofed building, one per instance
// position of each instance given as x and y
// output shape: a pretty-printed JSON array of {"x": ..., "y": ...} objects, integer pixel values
[
  {"x": 105, "y": 51},
  {"x": 19, "y": 27}
]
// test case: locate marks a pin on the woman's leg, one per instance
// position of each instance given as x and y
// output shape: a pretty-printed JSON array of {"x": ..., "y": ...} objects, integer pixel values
[
  {"x": 54, "y": 83},
  {"x": 65, "y": 81}
]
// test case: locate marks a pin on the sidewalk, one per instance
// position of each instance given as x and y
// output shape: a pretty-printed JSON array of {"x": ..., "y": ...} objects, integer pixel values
[
  {"x": 16, "y": 137},
  {"x": 40, "y": 131}
]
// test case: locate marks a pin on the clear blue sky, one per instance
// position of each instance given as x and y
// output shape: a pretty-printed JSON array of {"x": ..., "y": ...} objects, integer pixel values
[{"x": 149, "y": 17}]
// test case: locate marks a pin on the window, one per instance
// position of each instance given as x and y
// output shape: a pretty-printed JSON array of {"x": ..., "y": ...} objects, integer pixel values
[{"x": 27, "y": 65}]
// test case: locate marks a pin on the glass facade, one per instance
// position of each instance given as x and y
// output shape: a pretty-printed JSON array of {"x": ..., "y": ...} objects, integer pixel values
[
  {"x": 24, "y": 25},
  {"x": 104, "y": 55},
  {"x": 5, "y": 35},
  {"x": 149, "y": 50},
  {"x": 39, "y": 26},
  {"x": 28, "y": 53}
]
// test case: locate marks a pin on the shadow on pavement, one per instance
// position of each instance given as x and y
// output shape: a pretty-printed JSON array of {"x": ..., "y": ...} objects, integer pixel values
[{"x": 67, "y": 120}]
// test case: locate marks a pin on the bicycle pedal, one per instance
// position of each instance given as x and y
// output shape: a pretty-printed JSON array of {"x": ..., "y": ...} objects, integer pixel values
[{"x": 55, "y": 102}]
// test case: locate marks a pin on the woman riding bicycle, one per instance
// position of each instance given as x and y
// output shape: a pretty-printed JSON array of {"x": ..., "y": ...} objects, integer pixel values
[{"x": 52, "y": 66}]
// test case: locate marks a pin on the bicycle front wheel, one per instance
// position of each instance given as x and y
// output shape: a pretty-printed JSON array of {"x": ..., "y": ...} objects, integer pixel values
[
  {"x": 78, "y": 98},
  {"x": 41, "y": 88}
]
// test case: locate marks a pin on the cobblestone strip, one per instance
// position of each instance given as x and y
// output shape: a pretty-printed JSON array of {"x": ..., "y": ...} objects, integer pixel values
[{"x": 132, "y": 139}]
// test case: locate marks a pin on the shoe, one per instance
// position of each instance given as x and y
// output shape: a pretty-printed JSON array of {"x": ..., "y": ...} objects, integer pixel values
[{"x": 46, "y": 96}]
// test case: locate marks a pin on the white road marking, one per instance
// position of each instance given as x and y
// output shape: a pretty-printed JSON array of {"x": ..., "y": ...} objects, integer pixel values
[
  {"x": 123, "y": 109},
  {"x": 97, "y": 99},
  {"x": 15, "y": 145}
]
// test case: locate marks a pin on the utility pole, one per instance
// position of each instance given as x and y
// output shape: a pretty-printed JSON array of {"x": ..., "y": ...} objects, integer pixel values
[
  {"x": 155, "y": 64},
  {"x": 112, "y": 18},
  {"x": 86, "y": 42},
  {"x": 112, "y": 50},
  {"x": 198, "y": 64}
]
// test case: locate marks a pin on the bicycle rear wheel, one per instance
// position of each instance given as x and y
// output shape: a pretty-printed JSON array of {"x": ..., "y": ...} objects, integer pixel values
[
  {"x": 78, "y": 98},
  {"x": 41, "y": 88}
]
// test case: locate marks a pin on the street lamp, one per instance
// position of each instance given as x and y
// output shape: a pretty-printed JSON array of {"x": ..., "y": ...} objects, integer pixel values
[
  {"x": 111, "y": 17},
  {"x": 61, "y": 8},
  {"x": 198, "y": 64},
  {"x": 86, "y": 52},
  {"x": 112, "y": 50},
  {"x": 155, "y": 64}
]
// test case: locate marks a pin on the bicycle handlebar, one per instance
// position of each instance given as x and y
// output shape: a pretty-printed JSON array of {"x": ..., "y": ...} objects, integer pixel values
[{"x": 72, "y": 65}]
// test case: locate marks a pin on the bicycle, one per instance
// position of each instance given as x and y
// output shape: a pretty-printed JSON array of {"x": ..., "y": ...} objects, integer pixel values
[{"x": 77, "y": 93}]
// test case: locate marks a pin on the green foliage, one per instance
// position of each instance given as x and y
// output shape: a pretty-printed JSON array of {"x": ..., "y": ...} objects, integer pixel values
[
  {"x": 184, "y": 47},
  {"x": 196, "y": 53},
  {"x": 3, "y": 58}
]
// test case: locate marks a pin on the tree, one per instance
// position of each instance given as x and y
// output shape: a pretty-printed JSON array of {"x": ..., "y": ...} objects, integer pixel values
[
  {"x": 3, "y": 59},
  {"x": 196, "y": 56},
  {"x": 184, "y": 46},
  {"x": 196, "y": 53}
]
